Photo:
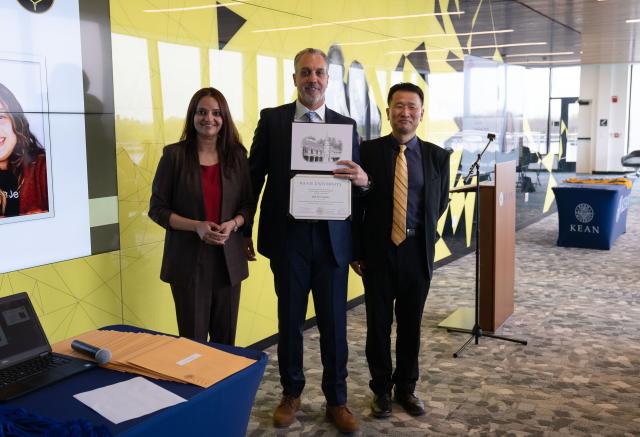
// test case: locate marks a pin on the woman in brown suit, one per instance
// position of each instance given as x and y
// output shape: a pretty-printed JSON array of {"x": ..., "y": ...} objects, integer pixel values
[{"x": 201, "y": 195}]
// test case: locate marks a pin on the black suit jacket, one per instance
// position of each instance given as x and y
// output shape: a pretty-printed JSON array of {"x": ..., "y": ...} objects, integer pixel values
[
  {"x": 376, "y": 215},
  {"x": 177, "y": 187},
  {"x": 271, "y": 155}
]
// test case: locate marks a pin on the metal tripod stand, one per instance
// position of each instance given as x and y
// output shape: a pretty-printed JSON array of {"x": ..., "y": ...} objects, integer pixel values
[{"x": 476, "y": 331}]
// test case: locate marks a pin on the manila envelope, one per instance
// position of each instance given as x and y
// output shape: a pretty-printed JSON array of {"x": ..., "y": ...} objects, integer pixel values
[{"x": 191, "y": 362}]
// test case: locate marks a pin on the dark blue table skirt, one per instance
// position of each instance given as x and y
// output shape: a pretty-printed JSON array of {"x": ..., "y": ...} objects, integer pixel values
[
  {"x": 591, "y": 216},
  {"x": 223, "y": 409}
]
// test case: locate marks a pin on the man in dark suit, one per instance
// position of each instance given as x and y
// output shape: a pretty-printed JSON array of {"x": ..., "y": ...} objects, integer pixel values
[
  {"x": 409, "y": 192},
  {"x": 305, "y": 255}
]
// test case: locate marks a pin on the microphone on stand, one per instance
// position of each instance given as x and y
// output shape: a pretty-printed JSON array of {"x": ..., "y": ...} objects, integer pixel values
[{"x": 102, "y": 356}]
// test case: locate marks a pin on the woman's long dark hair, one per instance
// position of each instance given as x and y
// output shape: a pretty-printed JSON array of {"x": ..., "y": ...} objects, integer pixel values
[
  {"x": 27, "y": 148},
  {"x": 230, "y": 149}
]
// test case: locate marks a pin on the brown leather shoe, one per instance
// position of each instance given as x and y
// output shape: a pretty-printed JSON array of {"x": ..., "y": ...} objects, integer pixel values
[
  {"x": 285, "y": 413},
  {"x": 342, "y": 418}
]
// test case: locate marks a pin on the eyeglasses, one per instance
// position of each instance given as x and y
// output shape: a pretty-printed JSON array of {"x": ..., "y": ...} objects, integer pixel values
[{"x": 402, "y": 107}]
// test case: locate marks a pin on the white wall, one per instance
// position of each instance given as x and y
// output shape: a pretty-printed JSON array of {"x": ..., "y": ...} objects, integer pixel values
[{"x": 598, "y": 84}]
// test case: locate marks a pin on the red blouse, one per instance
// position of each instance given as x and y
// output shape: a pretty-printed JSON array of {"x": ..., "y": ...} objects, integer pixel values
[
  {"x": 212, "y": 191},
  {"x": 34, "y": 197}
]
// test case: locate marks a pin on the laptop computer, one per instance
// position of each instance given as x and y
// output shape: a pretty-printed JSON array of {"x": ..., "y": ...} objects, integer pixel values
[{"x": 26, "y": 360}]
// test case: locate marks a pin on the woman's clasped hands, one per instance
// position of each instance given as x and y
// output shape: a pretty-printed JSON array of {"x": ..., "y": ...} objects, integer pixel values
[{"x": 213, "y": 233}]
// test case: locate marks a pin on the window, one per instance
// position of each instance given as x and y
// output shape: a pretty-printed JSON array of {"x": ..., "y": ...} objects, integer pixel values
[
  {"x": 226, "y": 75},
  {"x": 565, "y": 81},
  {"x": 180, "y": 76},
  {"x": 634, "y": 110}
]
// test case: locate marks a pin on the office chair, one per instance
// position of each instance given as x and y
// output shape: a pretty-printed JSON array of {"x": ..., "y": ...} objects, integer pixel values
[
  {"x": 535, "y": 159},
  {"x": 524, "y": 159},
  {"x": 632, "y": 159}
]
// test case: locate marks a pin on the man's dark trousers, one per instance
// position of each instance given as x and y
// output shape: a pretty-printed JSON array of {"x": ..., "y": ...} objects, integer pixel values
[
  {"x": 309, "y": 264},
  {"x": 403, "y": 278}
]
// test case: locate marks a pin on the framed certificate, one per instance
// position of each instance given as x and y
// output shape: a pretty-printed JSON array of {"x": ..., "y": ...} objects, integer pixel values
[
  {"x": 318, "y": 146},
  {"x": 319, "y": 197}
]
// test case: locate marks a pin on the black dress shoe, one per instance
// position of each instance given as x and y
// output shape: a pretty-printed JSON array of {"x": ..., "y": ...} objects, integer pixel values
[
  {"x": 411, "y": 403},
  {"x": 381, "y": 405}
]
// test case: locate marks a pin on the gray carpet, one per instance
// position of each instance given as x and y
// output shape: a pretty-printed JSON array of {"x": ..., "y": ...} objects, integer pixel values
[{"x": 579, "y": 375}]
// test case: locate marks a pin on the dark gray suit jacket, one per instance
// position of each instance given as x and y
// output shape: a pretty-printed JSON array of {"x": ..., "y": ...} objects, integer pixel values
[
  {"x": 376, "y": 215},
  {"x": 271, "y": 155},
  {"x": 177, "y": 187}
]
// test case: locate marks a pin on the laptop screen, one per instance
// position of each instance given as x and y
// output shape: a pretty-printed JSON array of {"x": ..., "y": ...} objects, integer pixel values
[{"x": 21, "y": 335}]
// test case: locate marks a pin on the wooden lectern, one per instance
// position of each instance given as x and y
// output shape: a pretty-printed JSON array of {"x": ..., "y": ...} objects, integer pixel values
[{"x": 497, "y": 252}]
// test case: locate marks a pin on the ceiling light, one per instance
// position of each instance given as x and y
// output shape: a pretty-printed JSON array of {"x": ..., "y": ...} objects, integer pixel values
[
  {"x": 193, "y": 8},
  {"x": 538, "y": 54},
  {"x": 558, "y": 61},
  {"x": 492, "y": 46},
  {"x": 279, "y": 29},
  {"x": 633, "y": 20},
  {"x": 359, "y": 20},
  {"x": 440, "y": 61},
  {"x": 435, "y": 35},
  {"x": 442, "y": 35}
]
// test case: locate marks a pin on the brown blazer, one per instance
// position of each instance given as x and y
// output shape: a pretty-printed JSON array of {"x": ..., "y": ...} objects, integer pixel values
[{"x": 177, "y": 188}]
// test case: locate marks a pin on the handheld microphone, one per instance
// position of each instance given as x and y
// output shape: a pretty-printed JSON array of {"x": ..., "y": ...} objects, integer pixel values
[
  {"x": 491, "y": 136},
  {"x": 102, "y": 356}
]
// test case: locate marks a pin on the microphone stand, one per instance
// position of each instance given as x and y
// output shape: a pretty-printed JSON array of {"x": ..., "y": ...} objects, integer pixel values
[{"x": 477, "y": 332}]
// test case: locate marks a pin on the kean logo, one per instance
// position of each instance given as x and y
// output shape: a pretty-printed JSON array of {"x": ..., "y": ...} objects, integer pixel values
[{"x": 584, "y": 214}]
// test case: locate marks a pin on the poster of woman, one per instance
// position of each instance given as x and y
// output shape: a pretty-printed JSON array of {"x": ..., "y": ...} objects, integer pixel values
[
  {"x": 24, "y": 177},
  {"x": 43, "y": 136}
]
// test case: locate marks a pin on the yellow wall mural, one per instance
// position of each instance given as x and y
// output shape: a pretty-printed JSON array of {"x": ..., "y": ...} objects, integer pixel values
[
  {"x": 163, "y": 51},
  {"x": 162, "y": 55}
]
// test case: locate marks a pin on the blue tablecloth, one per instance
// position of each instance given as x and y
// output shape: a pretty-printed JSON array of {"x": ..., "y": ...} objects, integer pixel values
[
  {"x": 223, "y": 409},
  {"x": 591, "y": 216}
]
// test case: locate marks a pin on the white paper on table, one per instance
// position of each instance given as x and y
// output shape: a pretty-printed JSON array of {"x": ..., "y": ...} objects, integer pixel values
[{"x": 128, "y": 400}]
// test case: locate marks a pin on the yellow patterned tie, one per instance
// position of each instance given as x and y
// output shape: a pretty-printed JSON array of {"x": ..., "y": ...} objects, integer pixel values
[{"x": 400, "y": 188}]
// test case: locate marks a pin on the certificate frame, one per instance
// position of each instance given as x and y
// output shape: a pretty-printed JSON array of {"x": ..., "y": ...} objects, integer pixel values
[{"x": 319, "y": 197}]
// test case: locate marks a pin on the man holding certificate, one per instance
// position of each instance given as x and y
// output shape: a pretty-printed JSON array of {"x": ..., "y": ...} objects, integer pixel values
[
  {"x": 399, "y": 218},
  {"x": 310, "y": 155}
]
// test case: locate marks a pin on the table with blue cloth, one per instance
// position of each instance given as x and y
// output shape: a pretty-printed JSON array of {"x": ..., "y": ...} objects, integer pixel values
[
  {"x": 222, "y": 409},
  {"x": 591, "y": 215}
]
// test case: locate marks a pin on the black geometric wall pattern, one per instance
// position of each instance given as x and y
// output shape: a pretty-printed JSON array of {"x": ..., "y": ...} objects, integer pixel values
[
  {"x": 455, "y": 62},
  {"x": 438, "y": 10},
  {"x": 420, "y": 62},
  {"x": 229, "y": 23}
]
